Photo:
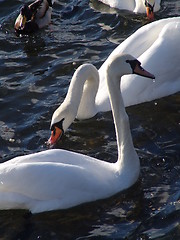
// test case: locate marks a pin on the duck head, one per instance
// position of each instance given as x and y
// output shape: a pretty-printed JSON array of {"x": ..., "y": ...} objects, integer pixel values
[
  {"x": 24, "y": 23},
  {"x": 24, "y": 16}
]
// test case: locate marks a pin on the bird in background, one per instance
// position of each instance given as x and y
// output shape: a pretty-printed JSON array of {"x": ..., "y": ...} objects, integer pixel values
[{"x": 34, "y": 16}]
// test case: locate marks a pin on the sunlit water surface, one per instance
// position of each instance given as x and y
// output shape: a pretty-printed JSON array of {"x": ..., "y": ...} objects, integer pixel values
[{"x": 35, "y": 72}]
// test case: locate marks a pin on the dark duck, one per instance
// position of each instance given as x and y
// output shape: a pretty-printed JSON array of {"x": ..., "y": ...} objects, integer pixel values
[{"x": 34, "y": 16}]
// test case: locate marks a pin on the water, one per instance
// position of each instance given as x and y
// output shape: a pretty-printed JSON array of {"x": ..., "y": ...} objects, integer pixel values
[{"x": 35, "y": 72}]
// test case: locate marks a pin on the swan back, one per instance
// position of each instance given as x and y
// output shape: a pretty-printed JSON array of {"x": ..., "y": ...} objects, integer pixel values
[
  {"x": 137, "y": 6},
  {"x": 156, "y": 45},
  {"x": 120, "y": 4},
  {"x": 162, "y": 57}
]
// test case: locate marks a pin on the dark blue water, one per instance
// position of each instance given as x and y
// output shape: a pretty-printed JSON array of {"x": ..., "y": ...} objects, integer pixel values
[{"x": 35, "y": 72}]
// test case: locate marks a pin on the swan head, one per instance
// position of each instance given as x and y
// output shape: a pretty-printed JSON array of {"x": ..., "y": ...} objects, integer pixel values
[
  {"x": 125, "y": 64},
  {"x": 61, "y": 120},
  {"x": 149, "y": 4}
]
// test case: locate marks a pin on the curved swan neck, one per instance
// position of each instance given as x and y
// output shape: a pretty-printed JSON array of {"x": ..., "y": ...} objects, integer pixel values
[
  {"x": 121, "y": 121},
  {"x": 82, "y": 91}
]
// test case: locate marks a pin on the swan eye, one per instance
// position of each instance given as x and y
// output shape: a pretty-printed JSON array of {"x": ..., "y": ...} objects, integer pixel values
[
  {"x": 58, "y": 125},
  {"x": 141, "y": 67},
  {"x": 134, "y": 63}
]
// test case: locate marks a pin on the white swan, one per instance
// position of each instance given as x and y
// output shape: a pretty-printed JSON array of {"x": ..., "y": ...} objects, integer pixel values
[
  {"x": 137, "y": 6},
  {"x": 59, "y": 179},
  {"x": 157, "y": 46}
]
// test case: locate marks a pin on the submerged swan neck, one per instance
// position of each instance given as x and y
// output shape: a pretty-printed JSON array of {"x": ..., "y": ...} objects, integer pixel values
[{"x": 82, "y": 91}]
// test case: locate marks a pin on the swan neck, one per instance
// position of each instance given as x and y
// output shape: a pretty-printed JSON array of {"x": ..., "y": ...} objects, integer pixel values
[
  {"x": 87, "y": 107},
  {"x": 121, "y": 120},
  {"x": 84, "y": 80}
]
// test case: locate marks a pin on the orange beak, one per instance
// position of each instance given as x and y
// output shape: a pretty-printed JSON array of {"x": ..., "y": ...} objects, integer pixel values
[
  {"x": 150, "y": 13},
  {"x": 56, "y": 133}
]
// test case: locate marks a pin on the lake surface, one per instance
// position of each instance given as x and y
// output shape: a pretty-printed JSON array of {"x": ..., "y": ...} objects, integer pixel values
[{"x": 35, "y": 72}]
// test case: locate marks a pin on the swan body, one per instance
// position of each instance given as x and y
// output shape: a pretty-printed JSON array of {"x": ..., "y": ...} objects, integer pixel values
[
  {"x": 34, "y": 16},
  {"x": 59, "y": 179},
  {"x": 137, "y": 6},
  {"x": 157, "y": 46},
  {"x": 55, "y": 179}
]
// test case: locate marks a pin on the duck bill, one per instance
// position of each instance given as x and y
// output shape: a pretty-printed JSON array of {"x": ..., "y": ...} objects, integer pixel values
[
  {"x": 150, "y": 13},
  {"x": 55, "y": 136},
  {"x": 22, "y": 21},
  {"x": 142, "y": 72}
]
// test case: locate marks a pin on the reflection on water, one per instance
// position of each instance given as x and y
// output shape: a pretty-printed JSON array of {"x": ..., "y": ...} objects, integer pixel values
[{"x": 35, "y": 74}]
